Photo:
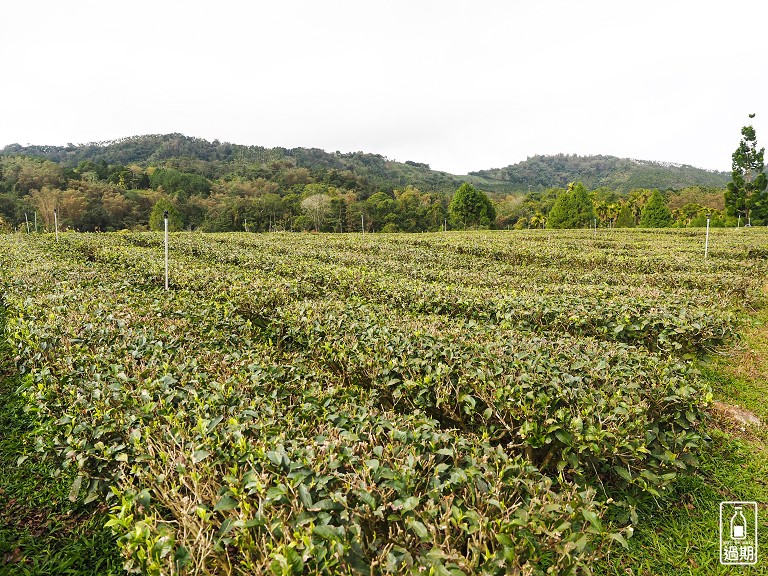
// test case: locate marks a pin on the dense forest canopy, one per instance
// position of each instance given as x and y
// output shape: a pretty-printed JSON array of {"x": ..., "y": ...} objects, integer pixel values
[
  {"x": 215, "y": 186},
  {"x": 620, "y": 174},
  {"x": 220, "y": 160}
]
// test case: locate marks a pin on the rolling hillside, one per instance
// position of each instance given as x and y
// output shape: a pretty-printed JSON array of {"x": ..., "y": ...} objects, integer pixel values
[
  {"x": 619, "y": 174},
  {"x": 375, "y": 172}
]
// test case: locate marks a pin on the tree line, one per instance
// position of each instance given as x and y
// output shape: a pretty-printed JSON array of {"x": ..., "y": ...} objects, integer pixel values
[
  {"x": 277, "y": 196},
  {"x": 94, "y": 197}
]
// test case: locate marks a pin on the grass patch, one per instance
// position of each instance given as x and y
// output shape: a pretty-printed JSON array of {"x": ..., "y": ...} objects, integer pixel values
[
  {"x": 681, "y": 537},
  {"x": 41, "y": 531}
]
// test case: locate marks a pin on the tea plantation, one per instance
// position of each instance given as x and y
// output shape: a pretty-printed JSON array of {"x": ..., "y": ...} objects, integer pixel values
[{"x": 455, "y": 403}]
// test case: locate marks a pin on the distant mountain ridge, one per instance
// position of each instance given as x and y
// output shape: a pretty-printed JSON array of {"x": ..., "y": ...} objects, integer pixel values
[
  {"x": 620, "y": 174},
  {"x": 376, "y": 172}
]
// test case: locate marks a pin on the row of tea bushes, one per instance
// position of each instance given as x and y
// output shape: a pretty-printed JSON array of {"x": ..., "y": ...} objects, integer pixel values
[
  {"x": 576, "y": 406},
  {"x": 680, "y": 323}
]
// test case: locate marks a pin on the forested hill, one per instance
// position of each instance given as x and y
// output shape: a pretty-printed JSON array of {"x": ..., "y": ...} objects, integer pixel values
[
  {"x": 369, "y": 173},
  {"x": 619, "y": 174}
]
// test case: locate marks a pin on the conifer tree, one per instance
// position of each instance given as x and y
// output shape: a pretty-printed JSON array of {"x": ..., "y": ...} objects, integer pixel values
[
  {"x": 625, "y": 219},
  {"x": 655, "y": 213},
  {"x": 746, "y": 191},
  {"x": 572, "y": 209}
]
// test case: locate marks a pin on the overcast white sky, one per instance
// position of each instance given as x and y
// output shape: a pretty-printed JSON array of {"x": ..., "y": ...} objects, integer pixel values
[{"x": 459, "y": 85}]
